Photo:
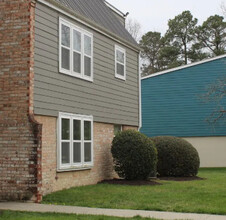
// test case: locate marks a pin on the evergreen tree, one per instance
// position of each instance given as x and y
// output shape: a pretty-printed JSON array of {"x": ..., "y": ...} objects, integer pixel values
[
  {"x": 181, "y": 33},
  {"x": 212, "y": 35}
]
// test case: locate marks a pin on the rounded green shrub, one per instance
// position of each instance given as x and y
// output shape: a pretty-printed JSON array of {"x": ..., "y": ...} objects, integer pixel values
[
  {"x": 134, "y": 155},
  {"x": 176, "y": 157}
]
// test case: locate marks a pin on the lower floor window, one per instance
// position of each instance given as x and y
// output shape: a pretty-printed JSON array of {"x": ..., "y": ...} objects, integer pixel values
[
  {"x": 117, "y": 128},
  {"x": 75, "y": 147}
]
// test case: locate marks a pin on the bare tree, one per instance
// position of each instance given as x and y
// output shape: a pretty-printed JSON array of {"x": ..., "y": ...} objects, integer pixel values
[
  {"x": 216, "y": 93},
  {"x": 223, "y": 8},
  {"x": 134, "y": 28}
]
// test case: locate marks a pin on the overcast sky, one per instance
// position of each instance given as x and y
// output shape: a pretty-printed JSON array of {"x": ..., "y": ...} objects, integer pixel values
[{"x": 154, "y": 14}]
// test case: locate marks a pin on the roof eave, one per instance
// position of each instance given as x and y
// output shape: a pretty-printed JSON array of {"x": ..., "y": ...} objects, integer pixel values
[
  {"x": 183, "y": 67},
  {"x": 83, "y": 20}
]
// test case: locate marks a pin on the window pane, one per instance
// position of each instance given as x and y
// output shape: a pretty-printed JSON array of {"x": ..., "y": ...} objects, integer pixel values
[
  {"x": 120, "y": 56},
  {"x": 87, "y": 66},
  {"x": 77, "y": 40},
  {"x": 87, "y": 152},
  {"x": 77, "y": 129},
  {"x": 77, "y": 62},
  {"x": 65, "y": 129},
  {"x": 87, "y": 45},
  {"x": 77, "y": 153},
  {"x": 65, "y": 153},
  {"x": 120, "y": 69},
  {"x": 87, "y": 130},
  {"x": 65, "y": 58},
  {"x": 117, "y": 128},
  {"x": 65, "y": 35}
]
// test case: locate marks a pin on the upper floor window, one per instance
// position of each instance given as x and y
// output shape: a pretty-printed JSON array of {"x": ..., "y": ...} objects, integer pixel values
[
  {"x": 120, "y": 63},
  {"x": 75, "y": 147},
  {"x": 76, "y": 51}
]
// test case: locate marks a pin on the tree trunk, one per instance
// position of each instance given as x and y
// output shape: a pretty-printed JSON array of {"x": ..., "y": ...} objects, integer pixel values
[{"x": 185, "y": 54}]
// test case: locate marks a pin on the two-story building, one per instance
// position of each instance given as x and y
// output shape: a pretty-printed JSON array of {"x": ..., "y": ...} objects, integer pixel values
[{"x": 69, "y": 79}]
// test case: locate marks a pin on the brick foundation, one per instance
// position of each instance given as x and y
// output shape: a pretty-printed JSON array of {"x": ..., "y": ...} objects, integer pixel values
[
  {"x": 103, "y": 166},
  {"x": 19, "y": 133}
]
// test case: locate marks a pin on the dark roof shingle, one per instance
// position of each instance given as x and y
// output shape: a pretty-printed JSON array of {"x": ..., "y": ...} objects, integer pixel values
[{"x": 98, "y": 11}]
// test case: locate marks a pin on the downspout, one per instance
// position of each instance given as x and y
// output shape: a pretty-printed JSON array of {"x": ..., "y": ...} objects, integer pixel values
[
  {"x": 140, "y": 103},
  {"x": 36, "y": 126}
]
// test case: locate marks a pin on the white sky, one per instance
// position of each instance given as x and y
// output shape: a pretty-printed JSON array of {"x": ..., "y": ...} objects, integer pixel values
[{"x": 153, "y": 15}]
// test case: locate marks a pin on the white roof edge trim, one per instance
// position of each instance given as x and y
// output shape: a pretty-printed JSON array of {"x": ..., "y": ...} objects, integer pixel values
[
  {"x": 112, "y": 7},
  {"x": 184, "y": 66}
]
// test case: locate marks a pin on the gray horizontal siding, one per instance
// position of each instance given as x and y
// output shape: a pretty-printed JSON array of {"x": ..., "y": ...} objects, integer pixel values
[{"x": 108, "y": 99}]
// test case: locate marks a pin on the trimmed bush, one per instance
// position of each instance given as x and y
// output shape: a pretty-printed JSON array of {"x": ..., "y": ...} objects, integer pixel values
[
  {"x": 176, "y": 157},
  {"x": 134, "y": 154}
]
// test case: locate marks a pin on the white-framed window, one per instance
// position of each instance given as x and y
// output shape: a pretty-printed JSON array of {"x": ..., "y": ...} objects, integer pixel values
[
  {"x": 75, "y": 51},
  {"x": 117, "y": 128},
  {"x": 120, "y": 63},
  {"x": 75, "y": 141}
]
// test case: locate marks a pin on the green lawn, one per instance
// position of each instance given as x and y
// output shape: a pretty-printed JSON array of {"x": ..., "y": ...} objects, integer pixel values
[
  {"x": 200, "y": 196},
  {"x": 10, "y": 215}
]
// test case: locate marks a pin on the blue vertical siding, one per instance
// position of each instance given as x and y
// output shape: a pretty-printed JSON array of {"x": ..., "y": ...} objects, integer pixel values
[{"x": 171, "y": 103}]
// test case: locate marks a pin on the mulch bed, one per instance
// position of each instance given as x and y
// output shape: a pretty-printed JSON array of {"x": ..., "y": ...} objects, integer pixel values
[
  {"x": 130, "y": 182},
  {"x": 148, "y": 182}
]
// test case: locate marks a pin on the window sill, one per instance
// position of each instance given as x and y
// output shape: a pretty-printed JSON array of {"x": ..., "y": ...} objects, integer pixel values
[
  {"x": 120, "y": 77},
  {"x": 76, "y": 76},
  {"x": 61, "y": 170}
]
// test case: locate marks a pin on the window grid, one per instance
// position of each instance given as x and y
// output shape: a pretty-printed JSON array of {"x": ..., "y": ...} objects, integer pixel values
[
  {"x": 83, "y": 33},
  {"x": 72, "y": 165},
  {"x": 120, "y": 49}
]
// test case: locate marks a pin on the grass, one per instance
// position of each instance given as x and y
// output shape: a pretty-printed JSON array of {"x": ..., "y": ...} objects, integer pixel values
[
  {"x": 11, "y": 215},
  {"x": 200, "y": 196}
]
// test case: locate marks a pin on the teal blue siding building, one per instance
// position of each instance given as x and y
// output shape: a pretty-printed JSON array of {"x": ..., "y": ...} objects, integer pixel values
[
  {"x": 172, "y": 106},
  {"x": 172, "y": 103}
]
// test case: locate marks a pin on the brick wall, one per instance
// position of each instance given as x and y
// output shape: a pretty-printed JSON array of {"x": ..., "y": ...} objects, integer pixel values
[
  {"x": 127, "y": 127},
  {"x": 103, "y": 167},
  {"x": 28, "y": 151},
  {"x": 19, "y": 133}
]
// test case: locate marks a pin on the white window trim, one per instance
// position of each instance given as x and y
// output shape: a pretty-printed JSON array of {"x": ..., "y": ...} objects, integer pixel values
[
  {"x": 123, "y": 51},
  {"x": 74, "y": 166},
  {"x": 83, "y": 32}
]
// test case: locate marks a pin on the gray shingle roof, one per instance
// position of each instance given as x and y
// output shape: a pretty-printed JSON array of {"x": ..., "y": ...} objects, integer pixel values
[{"x": 97, "y": 11}]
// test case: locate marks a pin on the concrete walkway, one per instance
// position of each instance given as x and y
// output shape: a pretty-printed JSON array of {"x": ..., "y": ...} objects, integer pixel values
[{"x": 32, "y": 207}]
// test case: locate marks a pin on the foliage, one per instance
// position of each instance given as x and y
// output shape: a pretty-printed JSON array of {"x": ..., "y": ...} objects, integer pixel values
[
  {"x": 151, "y": 44},
  {"x": 170, "y": 196},
  {"x": 196, "y": 53},
  {"x": 157, "y": 53},
  {"x": 176, "y": 157},
  {"x": 181, "y": 32},
  {"x": 216, "y": 93},
  {"x": 212, "y": 35},
  {"x": 184, "y": 42},
  {"x": 134, "y": 155},
  {"x": 168, "y": 56}
]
